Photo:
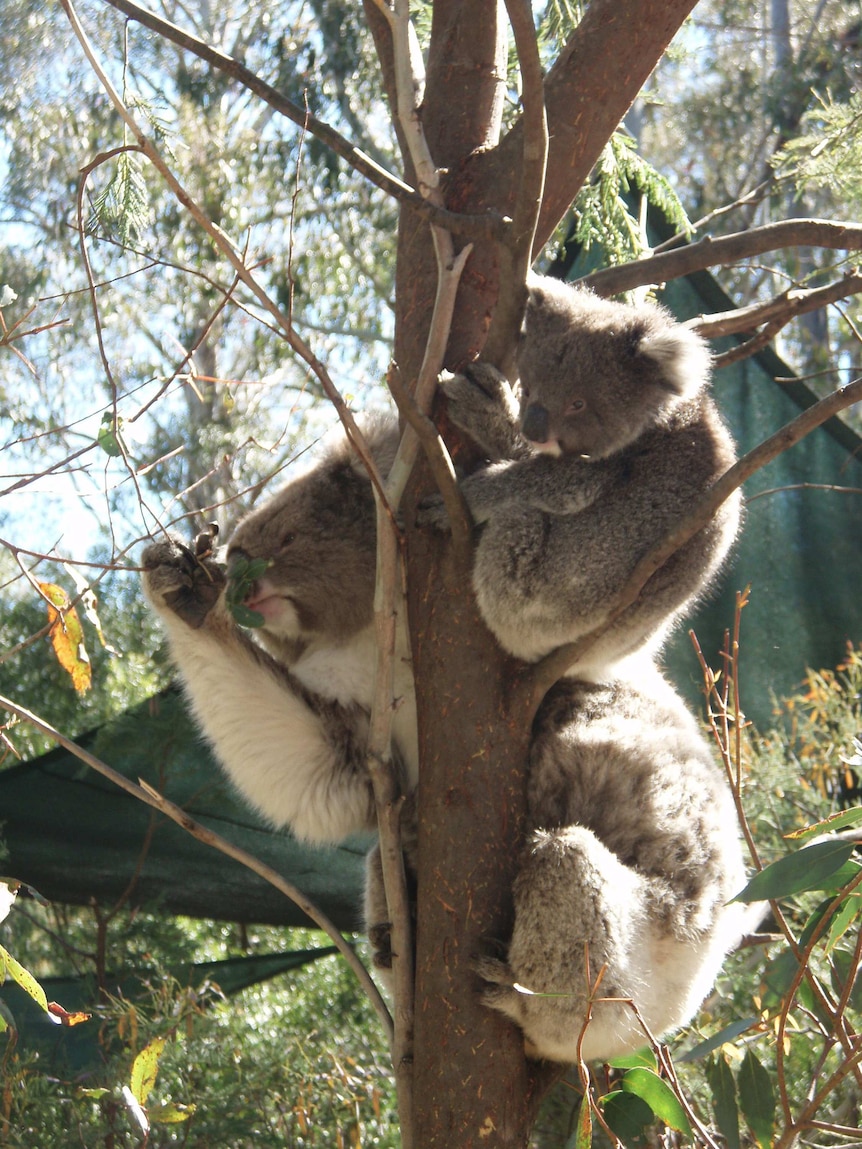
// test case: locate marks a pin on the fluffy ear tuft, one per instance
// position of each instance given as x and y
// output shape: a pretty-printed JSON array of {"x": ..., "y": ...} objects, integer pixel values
[{"x": 683, "y": 358}]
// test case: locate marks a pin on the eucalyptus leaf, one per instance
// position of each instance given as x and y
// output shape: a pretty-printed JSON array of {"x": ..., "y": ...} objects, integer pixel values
[
  {"x": 825, "y": 865},
  {"x": 659, "y": 1096},
  {"x": 757, "y": 1099},
  {"x": 724, "y": 1107}
]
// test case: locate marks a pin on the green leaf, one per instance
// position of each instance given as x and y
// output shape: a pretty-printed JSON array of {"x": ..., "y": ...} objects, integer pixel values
[
  {"x": 834, "y": 822},
  {"x": 711, "y": 1043},
  {"x": 243, "y": 572},
  {"x": 24, "y": 978},
  {"x": 843, "y": 969},
  {"x": 756, "y": 1099},
  {"x": 628, "y": 1116},
  {"x": 724, "y": 1107},
  {"x": 145, "y": 1069},
  {"x": 109, "y": 437},
  {"x": 243, "y": 616},
  {"x": 823, "y": 866},
  {"x": 659, "y": 1096},
  {"x": 643, "y": 1059},
  {"x": 845, "y": 916}
]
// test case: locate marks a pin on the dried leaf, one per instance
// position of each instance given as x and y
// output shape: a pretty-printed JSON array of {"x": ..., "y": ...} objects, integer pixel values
[{"x": 67, "y": 636}]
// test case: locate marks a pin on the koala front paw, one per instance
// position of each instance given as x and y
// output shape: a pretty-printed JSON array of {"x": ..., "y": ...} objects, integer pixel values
[
  {"x": 482, "y": 404},
  {"x": 432, "y": 512},
  {"x": 183, "y": 579}
]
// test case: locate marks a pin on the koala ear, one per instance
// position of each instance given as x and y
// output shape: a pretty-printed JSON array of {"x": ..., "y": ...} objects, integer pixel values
[{"x": 683, "y": 358}]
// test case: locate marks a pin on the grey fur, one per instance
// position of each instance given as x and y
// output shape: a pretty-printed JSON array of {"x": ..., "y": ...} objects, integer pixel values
[
  {"x": 633, "y": 852},
  {"x": 624, "y": 440},
  {"x": 287, "y": 709}
]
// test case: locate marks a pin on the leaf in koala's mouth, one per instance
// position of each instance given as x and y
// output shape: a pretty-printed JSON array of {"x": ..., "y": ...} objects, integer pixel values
[
  {"x": 243, "y": 616},
  {"x": 243, "y": 575}
]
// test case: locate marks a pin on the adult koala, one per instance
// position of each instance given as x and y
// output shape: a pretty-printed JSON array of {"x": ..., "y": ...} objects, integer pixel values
[{"x": 286, "y": 707}]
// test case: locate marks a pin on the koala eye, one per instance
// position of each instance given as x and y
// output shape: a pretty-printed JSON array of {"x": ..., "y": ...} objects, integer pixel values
[
  {"x": 576, "y": 407},
  {"x": 288, "y": 539}
]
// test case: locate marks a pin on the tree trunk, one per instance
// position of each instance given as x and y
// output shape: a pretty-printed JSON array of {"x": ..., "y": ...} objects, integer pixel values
[{"x": 472, "y": 1084}]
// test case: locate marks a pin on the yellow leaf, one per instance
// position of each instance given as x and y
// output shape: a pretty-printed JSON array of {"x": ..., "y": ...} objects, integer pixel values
[
  {"x": 145, "y": 1069},
  {"x": 24, "y": 978},
  {"x": 67, "y": 636}
]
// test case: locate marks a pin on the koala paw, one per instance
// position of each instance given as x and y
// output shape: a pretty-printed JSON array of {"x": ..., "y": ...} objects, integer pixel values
[
  {"x": 479, "y": 390},
  {"x": 432, "y": 512},
  {"x": 184, "y": 580},
  {"x": 498, "y": 980},
  {"x": 482, "y": 404}
]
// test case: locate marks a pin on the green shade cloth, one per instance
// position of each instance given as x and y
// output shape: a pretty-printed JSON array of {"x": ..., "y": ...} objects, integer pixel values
[{"x": 74, "y": 835}]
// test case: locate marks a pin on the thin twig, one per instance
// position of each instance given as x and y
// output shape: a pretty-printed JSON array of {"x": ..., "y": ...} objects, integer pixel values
[
  {"x": 225, "y": 245},
  {"x": 516, "y": 253},
  {"x": 781, "y": 309}
]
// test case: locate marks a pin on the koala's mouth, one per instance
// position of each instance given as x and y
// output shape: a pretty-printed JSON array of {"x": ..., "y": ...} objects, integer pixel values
[
  {"x": 549, "y": 447},
  {"x": 270, "y": 605}
]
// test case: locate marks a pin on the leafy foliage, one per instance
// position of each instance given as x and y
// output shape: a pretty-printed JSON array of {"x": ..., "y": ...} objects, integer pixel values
[
  {"x": 827, "y": 156},
  {"x": 602, "y": 215}
]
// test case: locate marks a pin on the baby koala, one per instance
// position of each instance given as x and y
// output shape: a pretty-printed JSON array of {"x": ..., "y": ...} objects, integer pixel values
[
  {"x": 633, "y": 854},
  {"x": 613, "y": 440}
]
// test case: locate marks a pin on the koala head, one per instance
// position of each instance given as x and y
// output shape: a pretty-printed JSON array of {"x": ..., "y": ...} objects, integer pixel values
[
  {"x": 594, "y": 374},
  {"x": 318, "y": 535}
]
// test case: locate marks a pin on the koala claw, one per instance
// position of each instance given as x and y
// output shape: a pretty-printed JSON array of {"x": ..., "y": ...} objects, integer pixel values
[
  {"x": 432, "y": 513},
  {"x": 184, "y": 579}
]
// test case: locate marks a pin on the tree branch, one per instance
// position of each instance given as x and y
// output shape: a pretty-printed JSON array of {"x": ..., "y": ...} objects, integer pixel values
[
  {"x": 725, "y": 250},
  {"x": 775, "y": 313},
  {"x": 783, "y": 308},
  {"x": 151, "y": 797},
  {"x": 589, "y": 89},
  {"x": 473, "y": 225},
  {"x": 540, "y": 676},
  {"x": 516, "y": 255}
]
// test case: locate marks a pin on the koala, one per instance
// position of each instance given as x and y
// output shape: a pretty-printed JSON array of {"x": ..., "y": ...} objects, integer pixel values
[
  {"x": 633, "y": 853},
  {"x": 286, "y": 709},
  {"x": 613, "y": 441}
]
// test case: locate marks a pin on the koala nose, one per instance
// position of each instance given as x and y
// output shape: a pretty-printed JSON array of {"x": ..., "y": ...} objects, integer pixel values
[{"x": 534, "y": 424}]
